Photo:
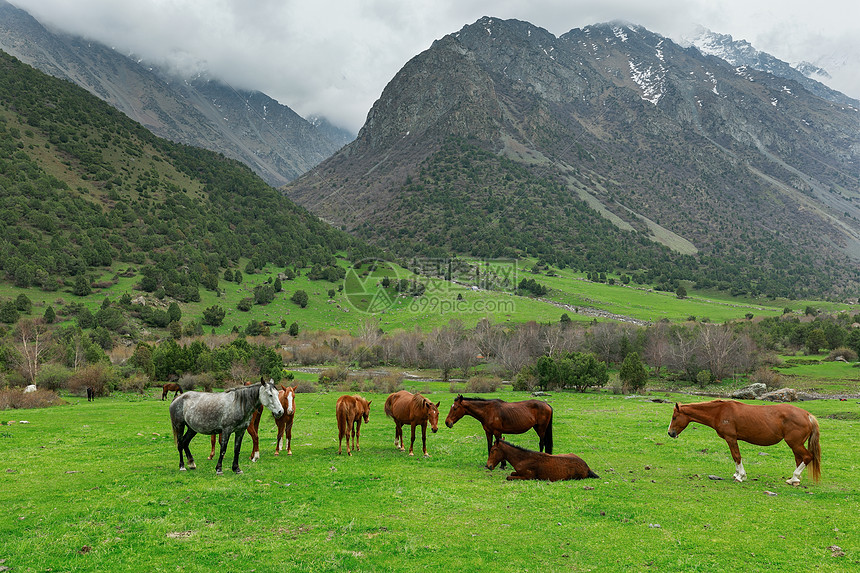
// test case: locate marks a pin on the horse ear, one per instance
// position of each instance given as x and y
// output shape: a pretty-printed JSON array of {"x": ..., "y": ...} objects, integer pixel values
[
  {"x": 369, "y": 402},
  {"x": 284, "y": 388},
  {"x": 262, "y": 380},
  {"x": 437, "y": 404},
  {"x": 677, "y": 408}
]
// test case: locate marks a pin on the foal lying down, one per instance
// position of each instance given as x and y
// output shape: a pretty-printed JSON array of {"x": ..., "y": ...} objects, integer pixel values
[{"x": 529, "y": 464}]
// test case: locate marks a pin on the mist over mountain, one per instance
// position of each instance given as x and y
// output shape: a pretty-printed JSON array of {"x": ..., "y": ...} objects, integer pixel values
[
  {"x": 249, "y": 126},
  {"x": 607, "y": 148}
]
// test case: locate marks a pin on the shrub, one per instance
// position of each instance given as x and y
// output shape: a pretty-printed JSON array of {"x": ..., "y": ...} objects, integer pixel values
[
  {"x": 332, "y": 376},
  {"x": 100, "y": 377},
  {"x": 53, "y": 377},
  {"x": 483, "y": 383},
  {"x": 703, "y": 378},
  {"x": 842, "y": 353},
  {"x": 305, "y": 387},
  {"x": 137, "y": 383},
  {"x": 768, "y": 377},
  {"x": 300, "y": 297},
  {"x": 13, "y": 398},
  {"x": 525, "y": 381},
  {"x": 385, "y": 383},
  {"x": 632, "y": 374}
]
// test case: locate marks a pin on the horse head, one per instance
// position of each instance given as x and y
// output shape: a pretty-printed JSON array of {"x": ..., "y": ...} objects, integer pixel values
[
  {"x": 497, "y": 454},
  {"x": 269, "y": 397},
  {"x": 432, "y": 414},
  {"x": 679, "y": 422},
  {"x": 457, "y": 411},
  {"x": 287, "y": 396}
]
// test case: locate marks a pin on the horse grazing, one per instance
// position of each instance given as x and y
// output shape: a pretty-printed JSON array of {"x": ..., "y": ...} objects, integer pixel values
[
  {"x": 499, "y": 417},
  {"x": 349, "y": 411},
  {"x": 171, "y": 387},
  {"x": 529, "y": 464},
  {"x": 762, "y": 425},
  {"x": 225, "y": 413},
  {"x": 404, "y": 407}
]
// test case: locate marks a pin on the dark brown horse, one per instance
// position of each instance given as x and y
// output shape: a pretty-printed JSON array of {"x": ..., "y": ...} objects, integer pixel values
[
  {"x": 762, "y": 425},
  {"x": 171, "y": 387},
  {"x": 414, "y": 409},
  {"x": 529, "y": 464},
  {"x": 349, "y": 411},
  {"x": 499, "y": 417},
  {"x": 286, "y": 396}
]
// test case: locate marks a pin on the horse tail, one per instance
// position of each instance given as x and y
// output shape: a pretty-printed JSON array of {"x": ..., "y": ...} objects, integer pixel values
[
  {"x": 388, "y": 402},
  {"x": 591, "y": 474},
  {"x": 547, "y": 437},
  {"x": 814, "y": 447}
]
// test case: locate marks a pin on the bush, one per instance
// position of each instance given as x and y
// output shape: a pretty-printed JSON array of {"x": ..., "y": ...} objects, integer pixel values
[
  {"x": 300, "y": 297},
  {"x": 332, "y": 376},
  {"x": 632, "y": 374},
  {"x": 15, "y": 399},
  {"x": 525, "y": 381},
  {"x": 100, "y": 377},
  {"x": 768, "y": 377},
  {"x": 53, "y": 377},
  {"x": 384, "y": 383},
  {"x": 842, "y": 353},
  {"x": 483, "y": 383},
  {"x": 137, "y": 383},
  {"x": 305, "y": 387}
]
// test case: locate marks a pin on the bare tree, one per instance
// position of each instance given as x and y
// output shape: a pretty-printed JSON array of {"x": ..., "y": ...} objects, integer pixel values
[
  {"x": 657, "y": 347},
  {"x": 721, "y": 349},
  {"x": 32, "y": 339},
  {"x": 442, "y": 345}
]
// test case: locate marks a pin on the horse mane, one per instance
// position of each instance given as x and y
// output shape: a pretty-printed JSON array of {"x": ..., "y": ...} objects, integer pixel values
[
  {"x": 246, "y": 394},
  {"x": 480, "y": 399}
]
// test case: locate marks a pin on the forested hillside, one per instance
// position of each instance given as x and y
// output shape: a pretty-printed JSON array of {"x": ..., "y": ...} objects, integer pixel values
[{"x": 83, "y": 187}]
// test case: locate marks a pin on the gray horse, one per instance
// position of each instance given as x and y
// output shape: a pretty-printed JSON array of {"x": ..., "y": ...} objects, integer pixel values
[{"x": 225, "y": 413}]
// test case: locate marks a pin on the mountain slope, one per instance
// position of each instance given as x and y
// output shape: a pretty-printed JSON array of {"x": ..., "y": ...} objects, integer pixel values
[
  {"x": 83, "y": 187},
  {"x": 249, "y": 126},
  {"x": 739, "y": 178}
]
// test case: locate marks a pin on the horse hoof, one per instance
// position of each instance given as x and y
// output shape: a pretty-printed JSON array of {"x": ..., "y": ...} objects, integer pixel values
[
  {"x": 238, "y": 472},
  {"x": 289, "y": 452},
  {"x": 219, "y": 473},
  {"x": 426, "y": 455},
  {"x": 182, "y": 469},
  {"x": 279, "y": 453}
]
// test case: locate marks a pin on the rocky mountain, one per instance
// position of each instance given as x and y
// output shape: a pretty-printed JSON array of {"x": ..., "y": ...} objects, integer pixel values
[
  {"x": 272, "y": 139},
  {"x": 608, "y": 148},
  {"x": 741, "y": 53}
]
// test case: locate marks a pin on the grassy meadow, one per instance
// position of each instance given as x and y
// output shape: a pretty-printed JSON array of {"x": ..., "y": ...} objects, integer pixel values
[{"x": 96, "y": 487}]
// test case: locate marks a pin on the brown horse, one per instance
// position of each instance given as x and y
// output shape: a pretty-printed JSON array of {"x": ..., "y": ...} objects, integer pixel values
[
  {"x": 407, "y": 408},
  {"x": 499, "y": 417},
  {"x": 286, "y": 396},
  {"x": 762, "y": 425},
  {"x": 171, "y": 387},
  {"x": 529, "y": 464},
  {"x": 349, "y": 411}
]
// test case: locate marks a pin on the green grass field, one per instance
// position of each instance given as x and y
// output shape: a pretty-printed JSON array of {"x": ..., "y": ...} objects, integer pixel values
[{"x": 96, "y": 487}]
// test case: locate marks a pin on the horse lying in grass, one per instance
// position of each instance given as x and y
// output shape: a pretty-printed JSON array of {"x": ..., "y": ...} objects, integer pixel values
[
  {"x": 529, "y": 464},
  {"x": 759, "y": 424},
  {"x": 225, "y": 413},
  {"x": 349, "y": 411},
  {"x": 404, "y": 407}
]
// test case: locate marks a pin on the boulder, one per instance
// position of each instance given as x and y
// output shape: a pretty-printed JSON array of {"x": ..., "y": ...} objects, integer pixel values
[
  {"x": 751, "y": 392},
  {"x": 781, "y": 395},
  {"x": 30, "y": 388}
]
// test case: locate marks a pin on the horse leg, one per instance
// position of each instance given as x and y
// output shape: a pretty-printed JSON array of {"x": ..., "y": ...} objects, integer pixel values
[
  {"x": 412, "y": 443},
  {"x": 424, "y": 438},
  {"x": 212, "y": 441},
  {"x": 356, "y": 435},
  {"x": 801, "y": 456},
  {"x": 237, "y": 449},
  {"x": 254, "y": 430},
  {"x": 740, "y": 474},
  {"x": 289, "y": 437},
  {"x": 498, "y": 438},
  {"x": 183, "y": 446},
  {"x": 398, "y": 436},
  {"x": 225, "y": 438}
]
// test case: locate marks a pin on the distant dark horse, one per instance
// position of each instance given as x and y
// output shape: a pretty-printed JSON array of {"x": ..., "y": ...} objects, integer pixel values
[
  {"x": 529, "y": 464},
  {"x": 91, "y": 394},
  {"x": 225, "y": 413},
  {"x": 171, "y": 387},
  {"x": 499, "y": 417},
  {"x": 759, "y": 424},
  {"x": 414, "y": 409},
  {"x": 349, "y": 411}
]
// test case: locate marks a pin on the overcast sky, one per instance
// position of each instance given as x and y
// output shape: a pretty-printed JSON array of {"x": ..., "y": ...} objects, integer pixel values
[{"x": 334, "y": 57}]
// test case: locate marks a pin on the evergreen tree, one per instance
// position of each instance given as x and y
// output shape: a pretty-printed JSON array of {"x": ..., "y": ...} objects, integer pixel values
[{"x": 633, "y": 375}]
